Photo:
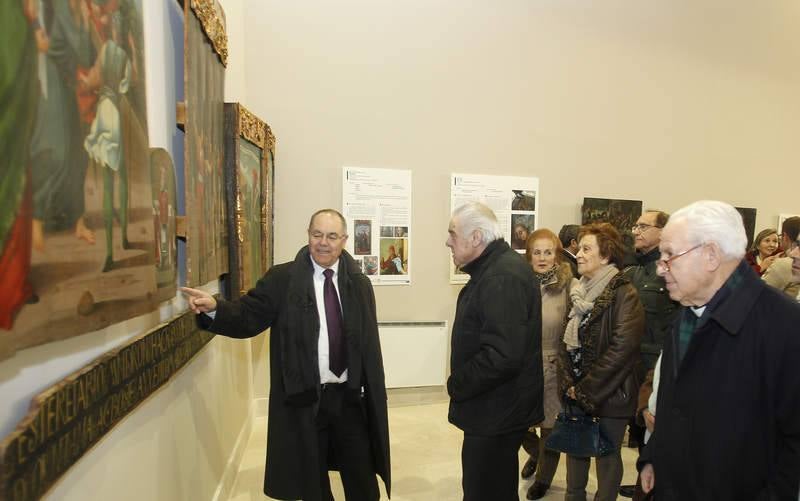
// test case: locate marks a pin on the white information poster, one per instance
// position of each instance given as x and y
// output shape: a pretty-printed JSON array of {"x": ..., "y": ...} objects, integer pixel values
[
  {"x": 377, "y": 206},
  {"x": 515, "y": 201}
]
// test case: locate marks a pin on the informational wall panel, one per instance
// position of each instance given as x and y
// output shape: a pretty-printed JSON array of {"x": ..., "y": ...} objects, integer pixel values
[
  {"x": 377, "y": 206},
  {"x": 515, "y": 201}
]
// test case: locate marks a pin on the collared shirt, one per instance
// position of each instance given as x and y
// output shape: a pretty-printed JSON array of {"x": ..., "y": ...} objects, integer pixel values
[{"x": 325, "y": 374}]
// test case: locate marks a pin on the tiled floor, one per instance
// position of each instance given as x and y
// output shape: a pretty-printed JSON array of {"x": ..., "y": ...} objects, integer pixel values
[{"x": 425, "y": 456}]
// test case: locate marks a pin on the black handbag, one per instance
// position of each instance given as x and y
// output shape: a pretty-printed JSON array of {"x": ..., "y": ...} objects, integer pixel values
[{"x": 578, "y": 434}]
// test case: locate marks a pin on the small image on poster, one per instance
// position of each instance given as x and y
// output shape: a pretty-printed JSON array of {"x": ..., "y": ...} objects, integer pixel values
[
  {"x": 393, "y": 256},
  {"x": 362, "y": 228},
  {"x": 370, "y": 265},
  {"x": 522, "y": 225}
]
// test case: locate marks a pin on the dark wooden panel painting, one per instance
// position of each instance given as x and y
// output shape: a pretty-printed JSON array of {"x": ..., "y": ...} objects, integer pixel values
[
  {"x": 622, "y": 214},
  {"x": 204, "y": 80},
  {"x": 249, "y": 155}
]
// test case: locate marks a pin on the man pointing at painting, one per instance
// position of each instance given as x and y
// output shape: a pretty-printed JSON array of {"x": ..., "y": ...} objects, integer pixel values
[{"x": 327, "y": 404}]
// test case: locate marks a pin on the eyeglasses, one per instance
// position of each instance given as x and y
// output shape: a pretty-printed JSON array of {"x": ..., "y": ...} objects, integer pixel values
[
  {"x": 642, "y": 227},
  {"x": 332, "y": 237},
  {"x": 666, "y": 263}
]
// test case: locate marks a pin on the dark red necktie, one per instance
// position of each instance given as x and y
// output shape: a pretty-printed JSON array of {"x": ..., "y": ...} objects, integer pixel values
[{"x": 333, "y": 317}]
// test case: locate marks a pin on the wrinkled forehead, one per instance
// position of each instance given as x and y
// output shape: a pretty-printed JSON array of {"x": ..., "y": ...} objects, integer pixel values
[
  {"x": 675, "y": 236},
  {"x": 648, "y": 218}
]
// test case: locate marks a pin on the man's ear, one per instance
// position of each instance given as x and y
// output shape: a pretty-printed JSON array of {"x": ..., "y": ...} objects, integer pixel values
[
  {"x": 477, "y": 236},
  {"x": 712, "y": 256}
]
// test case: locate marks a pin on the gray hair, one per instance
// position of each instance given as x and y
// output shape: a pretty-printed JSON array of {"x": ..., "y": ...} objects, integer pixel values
[
  {"x": 713, "y": 221},
  {"x": 475, "y": 216}
]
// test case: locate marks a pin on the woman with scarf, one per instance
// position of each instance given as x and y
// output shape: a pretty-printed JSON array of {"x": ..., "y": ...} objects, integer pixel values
[
  {"x": 599, "y": 354},
  {"x": 544, "y": 253}
]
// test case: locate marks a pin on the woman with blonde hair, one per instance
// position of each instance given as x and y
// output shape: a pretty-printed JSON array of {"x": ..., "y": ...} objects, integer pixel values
[{"x": 543, "y": 253}]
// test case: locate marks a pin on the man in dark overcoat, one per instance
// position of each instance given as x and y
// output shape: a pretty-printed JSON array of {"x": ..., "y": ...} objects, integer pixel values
[
  {"x": 327, "y": 402},
  {"x": 496, "y": 383},
  {"x": 727, "y": 420}
]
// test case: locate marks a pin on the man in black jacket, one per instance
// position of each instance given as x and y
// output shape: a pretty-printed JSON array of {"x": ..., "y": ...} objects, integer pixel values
[
  {"x": 728, "y": 410},
  {"x": 496, "y": 382},
  {"x": 327, "y": 403},
  {"x": 568, "y": 235}
]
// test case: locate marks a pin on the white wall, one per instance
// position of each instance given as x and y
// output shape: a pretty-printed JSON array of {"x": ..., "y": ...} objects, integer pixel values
[
  {"x": 665, "y": 102},
  {"x": 177, "y": 444}
]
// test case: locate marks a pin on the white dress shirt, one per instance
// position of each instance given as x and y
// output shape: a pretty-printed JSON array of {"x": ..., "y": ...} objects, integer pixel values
[{"x": 325, "y": 374}]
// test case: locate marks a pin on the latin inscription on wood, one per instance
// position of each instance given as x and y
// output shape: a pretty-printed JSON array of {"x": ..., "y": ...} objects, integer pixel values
[{"x": 67, "y": 419}]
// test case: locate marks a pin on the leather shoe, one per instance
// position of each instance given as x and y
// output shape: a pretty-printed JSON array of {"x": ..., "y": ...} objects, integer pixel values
[
  {"x": 627, "y": 491},
  {"x": 537, "y": 490},
  {"x": 529, "y": 468}
]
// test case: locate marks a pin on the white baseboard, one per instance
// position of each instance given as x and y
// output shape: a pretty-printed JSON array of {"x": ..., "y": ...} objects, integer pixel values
[
  {"x": 228, "y": 479},
  {"x": 261, "y": 405}
]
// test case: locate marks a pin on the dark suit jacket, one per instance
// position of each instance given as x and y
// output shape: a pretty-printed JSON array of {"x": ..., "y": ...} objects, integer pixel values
[{"x": 284, "y": 301}]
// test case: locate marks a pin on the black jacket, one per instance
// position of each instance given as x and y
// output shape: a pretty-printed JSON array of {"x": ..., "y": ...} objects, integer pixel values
[
  {"x": 284, "y": 301},
  {"x": 659, "y": 309},
  {"x": 496, "y": 381},
  {"x": 728, "y": 417}
]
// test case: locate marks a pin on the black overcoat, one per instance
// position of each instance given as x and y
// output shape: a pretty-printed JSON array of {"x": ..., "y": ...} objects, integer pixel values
[
  {"x": 728, "y": 416},
  {"x": 284, "y": 301},
  {"x": 496, "y": 384}
]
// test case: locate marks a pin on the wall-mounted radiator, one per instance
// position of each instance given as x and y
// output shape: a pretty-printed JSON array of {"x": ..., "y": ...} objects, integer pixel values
[{"x": 414, "y": 353}]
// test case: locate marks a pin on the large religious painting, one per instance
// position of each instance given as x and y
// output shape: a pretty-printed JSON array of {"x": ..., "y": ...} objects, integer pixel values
[
  {"x": 204, "y": 75},
  {"x": 621, "y": 214},
  {"x": 76, "y": 230},
  {"x": 249, "y": 155}
]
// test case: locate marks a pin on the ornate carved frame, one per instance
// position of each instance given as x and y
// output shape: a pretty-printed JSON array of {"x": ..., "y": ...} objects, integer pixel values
[{"x": 241, "y": 123}]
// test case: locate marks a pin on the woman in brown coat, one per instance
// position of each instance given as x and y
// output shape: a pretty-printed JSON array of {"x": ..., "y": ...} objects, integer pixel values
[
  {"x": 543, "y": 252},
  {"x": 599, "y": 354}
]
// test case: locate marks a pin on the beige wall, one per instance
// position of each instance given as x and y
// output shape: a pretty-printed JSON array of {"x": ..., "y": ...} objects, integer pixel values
[{"x": 666, "y": 102}]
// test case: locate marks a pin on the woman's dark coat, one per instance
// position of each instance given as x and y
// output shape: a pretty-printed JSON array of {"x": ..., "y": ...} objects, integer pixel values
[
  {"x": 610, "y": 336},
  {"x": 284, "y": 301},
  {"x": 728, "y": 420}
]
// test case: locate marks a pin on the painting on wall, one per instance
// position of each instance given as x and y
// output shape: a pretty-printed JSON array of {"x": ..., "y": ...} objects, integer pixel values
[
  {"x": 164, "y": 203},
  {"x": 749, "y": 220},
  {"x": 204, "y": 81},
  {"x": 249, "y": 157},
  {"x": 78, "y": 243},
  {"x": 622, "y": 214}
]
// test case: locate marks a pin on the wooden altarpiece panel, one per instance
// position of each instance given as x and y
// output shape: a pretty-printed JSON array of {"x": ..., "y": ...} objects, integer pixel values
[
  {"x": 249, "y": 174},
  {"x": 205, "y": 56},
  {"x": 76, "y": 228}
]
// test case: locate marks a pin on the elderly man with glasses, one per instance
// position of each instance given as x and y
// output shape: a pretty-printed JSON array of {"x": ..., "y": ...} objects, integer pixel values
[
  {"x": 659, "y": 312},
  {"x": 327, "y": 401},
  {"x": 728, "y": 402}
]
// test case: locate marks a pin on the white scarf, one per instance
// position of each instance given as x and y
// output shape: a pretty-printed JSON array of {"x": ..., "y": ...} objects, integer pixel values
[{"x": 583, "y": 296}]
